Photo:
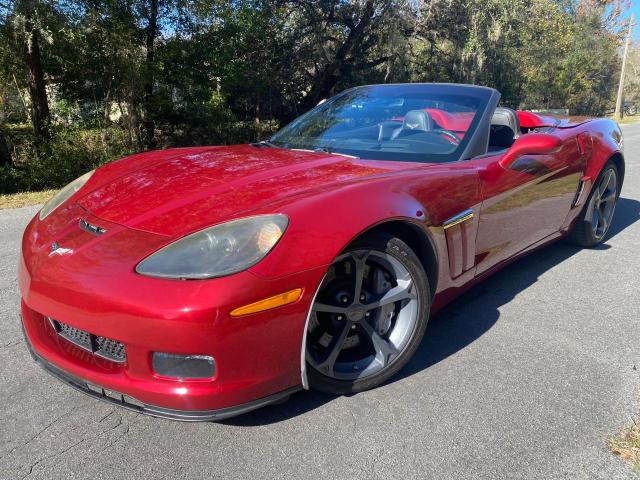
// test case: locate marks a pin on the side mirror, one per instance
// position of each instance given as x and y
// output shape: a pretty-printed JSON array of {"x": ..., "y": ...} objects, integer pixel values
[{"x": 531, "y": 144}]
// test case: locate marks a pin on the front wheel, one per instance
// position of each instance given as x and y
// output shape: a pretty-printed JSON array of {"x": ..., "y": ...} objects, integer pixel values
[
  {"x": 593, "y": 223},
  {"x": 369, "y": 316}
]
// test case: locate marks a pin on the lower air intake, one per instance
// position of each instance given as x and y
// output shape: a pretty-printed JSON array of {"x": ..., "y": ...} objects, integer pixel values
[{"x": 100, "y": 346}]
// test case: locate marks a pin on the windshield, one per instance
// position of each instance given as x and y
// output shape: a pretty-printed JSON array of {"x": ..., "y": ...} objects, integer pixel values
[{"x": 413, "y": 122}]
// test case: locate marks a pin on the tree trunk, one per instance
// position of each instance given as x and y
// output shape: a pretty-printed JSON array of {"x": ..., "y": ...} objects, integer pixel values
[
  {"x": 152, "y": 31},
  {"x": 330, "y": 74},
  {"x": 40, "y": 115},
  {"x": 134, "y": 117},
  {"x": 5, "y": 156}
]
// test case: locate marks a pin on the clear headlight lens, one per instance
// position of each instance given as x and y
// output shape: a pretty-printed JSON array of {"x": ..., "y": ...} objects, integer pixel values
[
  {"x": 64, "y": 194},
  {"x": 217, "y": 251}
]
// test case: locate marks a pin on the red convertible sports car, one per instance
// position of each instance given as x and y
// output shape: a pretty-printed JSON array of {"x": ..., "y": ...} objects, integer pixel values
[{"x": 200, "y": 283}]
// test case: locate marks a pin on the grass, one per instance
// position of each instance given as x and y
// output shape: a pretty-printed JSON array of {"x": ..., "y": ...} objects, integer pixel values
[
  {"x": 17, "y": 200},
  {"x": 628, "y": 119},
  {"x": 626, "y": 445}
]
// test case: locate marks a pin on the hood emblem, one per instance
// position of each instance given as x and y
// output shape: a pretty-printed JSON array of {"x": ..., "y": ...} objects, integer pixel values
[
  {"x": 56, "y": 249},
  {"x": 88, "y": 227}
]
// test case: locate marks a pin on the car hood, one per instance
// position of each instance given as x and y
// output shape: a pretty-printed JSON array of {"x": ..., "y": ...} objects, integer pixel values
[{"x": 174, "y": 192}]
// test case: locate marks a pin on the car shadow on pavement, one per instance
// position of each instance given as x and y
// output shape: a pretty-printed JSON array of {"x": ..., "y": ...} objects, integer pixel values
[{"x": 462, "y": 321}]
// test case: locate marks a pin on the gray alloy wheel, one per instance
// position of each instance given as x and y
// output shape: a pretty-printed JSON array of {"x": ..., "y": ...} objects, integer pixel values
[
  {"x": 594, "y": 221},
  {"x": 368, "y": 313},
  {"x": 603, "y": 203}
]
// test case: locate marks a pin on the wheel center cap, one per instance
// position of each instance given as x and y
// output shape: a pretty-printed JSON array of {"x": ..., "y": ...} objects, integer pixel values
[{"x": 356, "y": 313}]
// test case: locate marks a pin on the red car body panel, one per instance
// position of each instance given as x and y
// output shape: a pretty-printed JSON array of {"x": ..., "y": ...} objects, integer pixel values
[
  {"x": 149, "y": 200},
  {"x": 96, "y": 289},
  {"x": 188, "y": 192}
]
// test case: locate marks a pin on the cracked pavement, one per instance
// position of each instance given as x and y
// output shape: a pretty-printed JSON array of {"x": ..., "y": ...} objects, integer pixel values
[{"x": 524, "y": 376}]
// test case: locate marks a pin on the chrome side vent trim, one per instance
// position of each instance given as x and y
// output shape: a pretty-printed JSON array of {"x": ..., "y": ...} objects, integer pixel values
[
  {"x": 460, "y": 233},
  {"x": 581, "y": 192},
  {"x": 459, "y": 218},
  {"x": 88, "y": 227}
]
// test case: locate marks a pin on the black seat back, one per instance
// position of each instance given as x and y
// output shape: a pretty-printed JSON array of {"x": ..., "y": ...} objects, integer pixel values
[{"x": 505, "y": 128}]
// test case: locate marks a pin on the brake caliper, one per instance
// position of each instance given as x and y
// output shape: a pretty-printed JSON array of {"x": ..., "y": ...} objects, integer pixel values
[{"x": 381, "y": 284}]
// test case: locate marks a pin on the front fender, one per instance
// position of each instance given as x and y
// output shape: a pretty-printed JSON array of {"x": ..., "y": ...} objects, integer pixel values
[
  {"x": 323, "y": 225},
  {"x": 607, "y": 142}
]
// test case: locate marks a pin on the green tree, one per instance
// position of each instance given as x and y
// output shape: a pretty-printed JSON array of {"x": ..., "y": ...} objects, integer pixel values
[{"x": 99, "y": 78}]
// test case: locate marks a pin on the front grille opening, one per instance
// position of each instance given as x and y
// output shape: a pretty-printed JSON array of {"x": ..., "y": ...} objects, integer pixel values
[
  {"x": 110, "y": 349},
  {"x": 101, "y": 346}
]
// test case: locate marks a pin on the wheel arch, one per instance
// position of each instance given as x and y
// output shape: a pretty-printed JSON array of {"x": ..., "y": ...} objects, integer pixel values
[
  {"x": 618, "y": 160},
  {"x": 607, "y": 145},
  {"x": 416, "y": 238}
]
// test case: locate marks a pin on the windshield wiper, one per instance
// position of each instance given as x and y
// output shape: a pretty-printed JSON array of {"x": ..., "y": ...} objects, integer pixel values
[
  {"x": 264, "y": 143},
  {"x": 332, "y": 152},
  {"x": 322, "y": 149}
]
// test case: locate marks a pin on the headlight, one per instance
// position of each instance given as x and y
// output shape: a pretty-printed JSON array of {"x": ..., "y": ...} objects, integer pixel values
[
  {"x": 217, "y": 251},
  {"x": 60, "y": 197}
]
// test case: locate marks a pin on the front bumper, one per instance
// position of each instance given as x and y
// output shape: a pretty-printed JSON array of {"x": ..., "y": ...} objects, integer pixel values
[
  {"x": 95, "y": 289},
  {"x": 129, "y": 403}
]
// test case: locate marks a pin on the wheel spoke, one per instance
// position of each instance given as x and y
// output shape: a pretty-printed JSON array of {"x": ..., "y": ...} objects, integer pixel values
[
  {"x": 384, "y": 349},
  {"x": 599, "y": 221},
  {"x": 604, "y": 184},
  {"x": 595, "y": 220},
  {"x": 608, "y": 197},
  {"x": 604, "y": 221},
  {"x": 360, "y": 259},
  {"x": 334, "y": 348},
  {"x": 324, "y": 307},
  {"x": 396, "y": 294}
]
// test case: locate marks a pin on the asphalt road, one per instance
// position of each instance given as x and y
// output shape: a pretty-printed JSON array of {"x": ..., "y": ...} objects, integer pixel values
[{"x": 523, "y": 377}]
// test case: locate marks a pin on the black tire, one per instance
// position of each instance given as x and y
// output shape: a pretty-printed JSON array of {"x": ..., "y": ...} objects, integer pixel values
[
  {"x": 584, "y": 234},
  {"x": 392, "y": 246}
]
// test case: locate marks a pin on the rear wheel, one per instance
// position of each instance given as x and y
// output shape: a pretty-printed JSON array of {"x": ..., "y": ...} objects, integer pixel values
[
  {"x": 369, "y": 316},
  {"x": 593, "y": 223}
]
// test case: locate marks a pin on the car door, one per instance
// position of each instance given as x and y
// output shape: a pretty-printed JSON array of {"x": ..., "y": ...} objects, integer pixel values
[{"x": 525, "y": 201}]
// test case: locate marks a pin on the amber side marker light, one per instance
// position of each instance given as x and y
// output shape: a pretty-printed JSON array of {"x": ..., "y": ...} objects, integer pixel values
[{"x": 268, "y": 303}]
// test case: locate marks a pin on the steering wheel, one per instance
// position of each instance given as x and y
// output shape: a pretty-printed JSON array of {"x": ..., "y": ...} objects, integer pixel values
[{"x": 449, "y": 134}]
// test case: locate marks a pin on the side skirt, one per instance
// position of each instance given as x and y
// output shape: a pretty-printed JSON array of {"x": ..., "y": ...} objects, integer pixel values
[{"x": 442, "y": 299}]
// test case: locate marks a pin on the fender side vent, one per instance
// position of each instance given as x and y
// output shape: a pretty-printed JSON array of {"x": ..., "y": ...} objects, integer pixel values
[{"x": 580, "y": 193}]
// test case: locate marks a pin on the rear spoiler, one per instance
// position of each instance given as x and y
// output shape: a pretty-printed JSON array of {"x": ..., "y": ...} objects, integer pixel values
[{"x": 538, "y": 120}]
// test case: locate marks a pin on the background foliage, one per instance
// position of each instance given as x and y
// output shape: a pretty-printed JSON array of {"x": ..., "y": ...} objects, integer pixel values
[{"x": 86, "y": 81}]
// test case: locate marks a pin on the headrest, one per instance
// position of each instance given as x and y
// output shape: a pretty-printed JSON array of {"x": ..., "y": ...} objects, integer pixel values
[
  {"x": 508, "y": 118},
  {"x": 417, "y": 120}
]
